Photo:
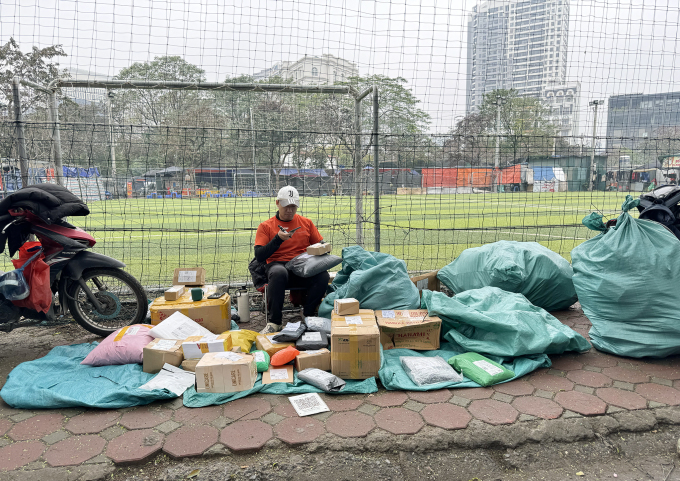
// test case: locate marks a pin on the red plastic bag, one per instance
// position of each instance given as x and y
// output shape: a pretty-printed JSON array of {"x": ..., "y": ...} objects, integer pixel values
[
  {"x": 284, "y": 356},
  {"x": 37, "y": 274}
]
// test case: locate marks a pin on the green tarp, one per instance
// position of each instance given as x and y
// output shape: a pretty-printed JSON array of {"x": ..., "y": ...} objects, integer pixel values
[
  {"x": 543, "y": 276},
  {"x": 628, "y": 284}
]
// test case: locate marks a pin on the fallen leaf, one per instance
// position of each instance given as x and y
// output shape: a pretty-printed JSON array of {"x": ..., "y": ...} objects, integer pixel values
[
  {"x": 193, "y": 474},
  {"x": 580, "y": 473},
  {"x": 244, "y": 467}
]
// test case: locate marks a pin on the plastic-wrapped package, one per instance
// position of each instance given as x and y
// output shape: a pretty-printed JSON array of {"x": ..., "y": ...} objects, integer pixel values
[
  {"x": 480, "y": 369},
  {"x": 291, "y": 332},
  {"x": 307, "y": 265},
  {"x": 428, "y": 370},
  {"x": 325, "y": 381},
  {"x": 261, "y": 360},
  {"x": 319, "y": 324},
  {"x": 311, "y": 341}
]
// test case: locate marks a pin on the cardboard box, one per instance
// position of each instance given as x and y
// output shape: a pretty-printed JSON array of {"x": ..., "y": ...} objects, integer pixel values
[
  {"x": 222, "y": 372},
  {"x": 427, "y": 281},
  {"x": 213, "y": 314},
  {"x": 196, "y": 346},
  {"x": 367, "y": 313},
  {"x": 346, "y": 307},
  {"x": 190, "y": 364},
  {"x": 189, "y": 276},
  {"x": 278, "y": 374},
  {"x": 355, "y": 350},
  {"x": 265, "y": 343},
  {"x": 355, "y": 319},
  {"x": 160, "y": 351},
  {"x": 174, "y": 293},
  {"x": 318, "y": 249},
  {"x": 409, "y": 329},
  {"x": 320, "y": 359}
]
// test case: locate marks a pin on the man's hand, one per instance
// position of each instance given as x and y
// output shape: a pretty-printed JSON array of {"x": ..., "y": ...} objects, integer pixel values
[{"x": 285, "y": 235}]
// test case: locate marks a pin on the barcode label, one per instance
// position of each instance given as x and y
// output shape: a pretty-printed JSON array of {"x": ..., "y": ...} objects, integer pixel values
[
  {"x": 259, "y": 356},
  {"x": 186, "y": 276},
  {"x": 278, "y": 374},
  {"x": 132, "y": 330},
  {"x": 353, "y": 320},
  {"x": 307, "y": 404},
  {"x": 311, "y": 337},
  {"x": 488, "y": 367},
  {"x": 388, "y": 314}
]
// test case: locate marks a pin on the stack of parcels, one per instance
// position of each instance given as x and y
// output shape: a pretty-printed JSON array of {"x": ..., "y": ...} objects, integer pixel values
[
  {"x": 409, "y": 329},
  {"x": 355, "y": 345},
  {"x": 195, "y": 347}
]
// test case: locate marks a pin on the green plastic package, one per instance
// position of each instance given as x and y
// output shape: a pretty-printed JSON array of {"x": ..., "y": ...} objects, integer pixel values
[
  {"x": 261, "y": 360},
  {"x": 480, "y": 369},
  {"x": 541, "y": 275}
]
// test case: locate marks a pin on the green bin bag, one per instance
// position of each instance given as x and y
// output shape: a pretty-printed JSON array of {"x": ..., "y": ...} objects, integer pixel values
[
  {"x": 261, "y": 360},
  {"x": 493, "y": 322},
  {"x": 480, "y": 369},
  {"x": 376, "y": 280},
  {"x": 543, "y": 276},
  {"x": 628, "y": 283}
]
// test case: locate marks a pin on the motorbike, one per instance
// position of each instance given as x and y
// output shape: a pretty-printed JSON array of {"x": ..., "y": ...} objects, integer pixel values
[{"x": 94, "y": 288}]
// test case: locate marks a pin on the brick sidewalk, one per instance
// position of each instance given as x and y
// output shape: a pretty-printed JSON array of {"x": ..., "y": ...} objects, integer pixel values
[{"x": 591, "y": 384}]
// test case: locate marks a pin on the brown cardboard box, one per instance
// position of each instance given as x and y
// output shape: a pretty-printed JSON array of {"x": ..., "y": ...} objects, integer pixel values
[
  {"x": 213, "y": 314},
  {"x": 427, "y": 281},
  {"x": 265, "y": 343},
  {"x": 409, "y": 329},
  {"x": 318, "y": 249},
  {"x": 190, "y": 364},
  {"x": 320, "y": 359},
  {"x": 225, "y": 372},
  {"x": 278, "y": 374},
  {"x": 174, "y": 293},
  {"x": 189, "y": 276},
  {"x": 160, "y": 351},
  {"x": 355, "y": 350},
  {"x": 195, "y": 347},
  {"x": 346, "y": 307},
  {"x": 366, "y": 319},
  {"x": 364, "y": 313}
]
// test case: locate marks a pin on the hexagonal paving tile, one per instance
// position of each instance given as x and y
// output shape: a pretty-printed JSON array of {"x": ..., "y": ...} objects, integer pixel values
[
  {"x": 246, "y": 435},
  {"x": 431, "y": 397},
  {"x": 389, "y": 398},
  {"x": 597, "y": 359},
  {"x": 662, "y": 371},
  {"x": 626, "y": 375},
  {"x": 286, "y": 410},
  {"x": 493, "y": 412},
  {"x": 92, "y": 421},
  {"x": 515, "y": 388},
  {"x": 399, "y": 420},
  {"x": 5, "y": 425},
  {"x": 134, "y": 446},
  {"x": 36, "y": 427},
  {"x": 566, "y": 363},
  {"x": 193, "y": 416},
  {"x": 474, "y": 392},
  {"x": 20, "y": 454},
  {"x": 191, "y": 440},
  {"x": 657, "y": 393},
  {"x": 245, "y": 409},
  {"x": 621, "y": 398},
  {"x": 581, "y": 403},
  {"x": 589, "y": 378},
  {"x": 74, "y": 450},
  {"x": 335, "y": 403},
  {"x": 145, "y": 417},
  {"x": 446, "y": 416},
  {"x": 350, "y": 424},
  {"x": 299, "y": 430},
  {"x": 537, "y": 406},
  {"x": 548, "y": 382}
]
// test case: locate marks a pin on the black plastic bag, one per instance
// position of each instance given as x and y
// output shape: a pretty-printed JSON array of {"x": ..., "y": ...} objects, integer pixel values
[
  {"x": 311, "y": 341},
  {"x": 307, "y": 265},
  {"x": 291, "y": 332}
]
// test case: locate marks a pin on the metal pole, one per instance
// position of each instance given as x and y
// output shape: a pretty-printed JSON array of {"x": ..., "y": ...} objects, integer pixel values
[
  {"x": 112, "y": 145},
  {"x": 358, "y": 201},
  {"x": 497, "y": 157},
  {"x": 21, "y": 140},
  {"x": 376, "y": 205},
  {"x": 595, "y": 103},
  {"x": 56, "y": 136},
  {"x": 252, "y": 136}
]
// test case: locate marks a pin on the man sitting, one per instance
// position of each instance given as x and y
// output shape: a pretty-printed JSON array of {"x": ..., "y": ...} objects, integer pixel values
[{"x": 277, "y": 241}]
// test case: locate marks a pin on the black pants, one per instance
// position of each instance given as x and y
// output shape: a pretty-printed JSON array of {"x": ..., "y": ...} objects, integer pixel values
[{"x": 279, "y": 278}]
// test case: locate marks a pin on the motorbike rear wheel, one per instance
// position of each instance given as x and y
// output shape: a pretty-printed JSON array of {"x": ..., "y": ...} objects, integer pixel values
[{"x": 122, "y": 297}]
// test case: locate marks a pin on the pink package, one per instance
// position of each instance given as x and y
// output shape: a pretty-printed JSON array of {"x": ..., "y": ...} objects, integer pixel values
[{"x": 125, "y": 346}]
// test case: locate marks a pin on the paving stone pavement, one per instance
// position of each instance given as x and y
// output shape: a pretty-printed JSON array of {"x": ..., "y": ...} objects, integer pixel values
[{"x": 595, "y": 384}]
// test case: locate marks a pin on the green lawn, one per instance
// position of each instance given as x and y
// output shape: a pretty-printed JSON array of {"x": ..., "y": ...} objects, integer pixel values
[{"x": 154, "y": 236}]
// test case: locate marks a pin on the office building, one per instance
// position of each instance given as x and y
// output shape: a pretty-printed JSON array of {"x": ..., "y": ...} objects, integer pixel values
[{"x": 563, "y": 102}]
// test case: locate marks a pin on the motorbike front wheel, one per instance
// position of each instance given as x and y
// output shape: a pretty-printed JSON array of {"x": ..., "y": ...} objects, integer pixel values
[{"x": 122, "y": 299}]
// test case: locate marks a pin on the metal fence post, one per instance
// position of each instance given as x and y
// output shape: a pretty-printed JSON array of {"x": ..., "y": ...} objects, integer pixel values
[
  {"x": 21, "y": 140},
  {"x": 56, "y": 133},
  {"x": 376, "y": 204},
  {"x": 358, "y": 205}
]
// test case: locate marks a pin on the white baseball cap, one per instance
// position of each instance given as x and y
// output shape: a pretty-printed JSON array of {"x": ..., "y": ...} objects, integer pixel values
[{"x": 288, "y": 195}]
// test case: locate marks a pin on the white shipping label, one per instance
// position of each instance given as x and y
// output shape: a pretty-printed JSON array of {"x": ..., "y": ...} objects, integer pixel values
[
  {"x": 186, "y": 276},
  {"x": 278, "y": 374},
  {"x": 306, "y": 404},
  {"x": 164, "y": 345},
  {"x": 183, "y": 331},
  {"x": 230, "y": 356},
  {"x": 311, "y": 337},
  {"x": 259, "y": 356},
  {"x": 488, "y": 367},
  {"x": 353, "y": 320},
  {"x": 132, "y": 330},
  {"x": 311, "y": 352},
  {"x": 291, "y": 327},
  {"x": 388, "y": 314}
]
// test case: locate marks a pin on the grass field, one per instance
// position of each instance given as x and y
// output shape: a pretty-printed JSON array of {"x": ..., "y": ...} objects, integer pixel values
[{"x": 427, "y": 231}]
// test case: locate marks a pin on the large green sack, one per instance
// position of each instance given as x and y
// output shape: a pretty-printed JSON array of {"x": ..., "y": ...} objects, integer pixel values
[
  {"x": 528, "y": 268},
  {"x": 628, "y": 284},
  {"x": 376, "y": 280},
  {"x": 493, "y": 322}
]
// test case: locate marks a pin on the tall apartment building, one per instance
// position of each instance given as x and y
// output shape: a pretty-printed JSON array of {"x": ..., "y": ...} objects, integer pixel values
[
  {"x": 517, "y": 44},
  {"x": 563, "y": 102},
  {"x": 311, "y": 70}
]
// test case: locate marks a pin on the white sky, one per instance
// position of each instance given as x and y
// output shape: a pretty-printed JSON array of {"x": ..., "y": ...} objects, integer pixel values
[{"x": 615, "y": 46}]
